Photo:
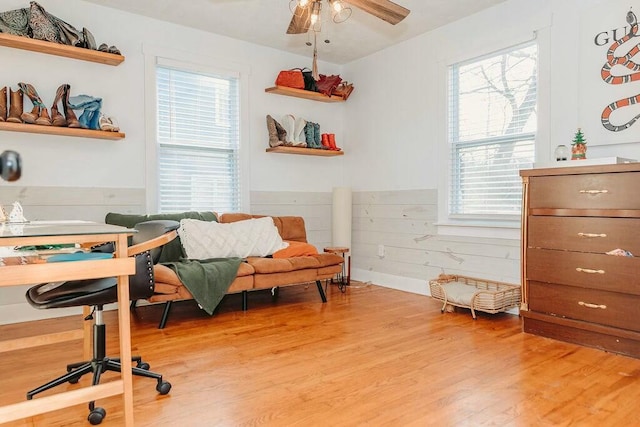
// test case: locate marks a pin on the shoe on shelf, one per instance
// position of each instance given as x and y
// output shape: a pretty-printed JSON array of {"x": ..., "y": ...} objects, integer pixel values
[
  {"x": 3, "y": 104},
  {"x": 107, "y": 124},
  {"x": 332, "y": 142},
  {"x": 15, "y": 106}
]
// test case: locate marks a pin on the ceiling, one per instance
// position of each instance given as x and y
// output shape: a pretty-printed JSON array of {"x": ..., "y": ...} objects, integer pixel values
[{"x": 265, "y": 22}]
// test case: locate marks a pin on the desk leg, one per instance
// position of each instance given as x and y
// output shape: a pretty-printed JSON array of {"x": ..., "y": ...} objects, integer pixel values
[{"x": 124, "y": 323}]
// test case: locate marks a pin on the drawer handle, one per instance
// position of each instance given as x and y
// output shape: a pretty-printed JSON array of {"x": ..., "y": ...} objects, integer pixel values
[
  {"x": 593, "y": 191},
  {"x": 589, "y": 305},
  {"x": 591, "y": 235},
  {"x": 589, "y": 271}
]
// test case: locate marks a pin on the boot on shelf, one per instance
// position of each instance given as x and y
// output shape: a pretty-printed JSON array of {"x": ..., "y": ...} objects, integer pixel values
[
  {"x": 308, "y": 135},
  {"x": 332, "y": 142},
  {"x": 39, "y": 114},
  {"x": 299, "y": 138},
  {"x": 317, "y": 136},
  {"x": 325, "y": 141},
  {"x": 3, "y": 104},
  {"x": 282, "y": 134},
  {"x": 72, "y": 119},
  {"x": 57, "y": 119},
  {"x": 15, "y": 106},
  {"x": 274, "y": 141}
]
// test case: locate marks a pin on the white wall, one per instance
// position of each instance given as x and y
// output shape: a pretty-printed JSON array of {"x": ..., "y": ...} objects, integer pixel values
[
  {"x": 396, "y": 123},
  {"x": 65, "y": 161}
]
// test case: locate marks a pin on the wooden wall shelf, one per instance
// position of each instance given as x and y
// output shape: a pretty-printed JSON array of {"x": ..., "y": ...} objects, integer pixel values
[
  {"x": 63, "y": 131},
  {"x": 305, "y": 94},
  {"x": 304, "y": 151},
  {"x": 57, "y": 49}
]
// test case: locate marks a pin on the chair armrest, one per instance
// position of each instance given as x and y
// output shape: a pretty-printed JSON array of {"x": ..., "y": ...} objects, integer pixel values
[{"x": 153, "y": 243}]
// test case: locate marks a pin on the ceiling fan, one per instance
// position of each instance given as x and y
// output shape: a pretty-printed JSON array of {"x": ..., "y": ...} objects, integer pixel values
[{"x": 307, "y": 12}]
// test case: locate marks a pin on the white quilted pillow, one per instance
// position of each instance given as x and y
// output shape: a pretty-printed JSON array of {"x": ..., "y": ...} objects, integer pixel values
[{"x": 252, "y": 237}]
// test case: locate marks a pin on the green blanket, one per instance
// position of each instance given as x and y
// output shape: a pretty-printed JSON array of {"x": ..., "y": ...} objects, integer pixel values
[{"x": 208, "y": 279}]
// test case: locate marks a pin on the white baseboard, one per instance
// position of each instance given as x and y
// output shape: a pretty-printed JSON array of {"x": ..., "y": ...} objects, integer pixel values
[{"x": 406, "y": 284}]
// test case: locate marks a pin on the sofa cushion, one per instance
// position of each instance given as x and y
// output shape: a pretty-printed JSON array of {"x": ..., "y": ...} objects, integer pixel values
[
  {"x": 325, "y": 260},
  {"x": 273, "y": 265},
  {"x": 296, "y": 249},
  {"x": 262, "y": 281},
  {"x": 172, "y": 251},
  {"x": 252, "y": 237},
  {"x": 289, "y": 227}
]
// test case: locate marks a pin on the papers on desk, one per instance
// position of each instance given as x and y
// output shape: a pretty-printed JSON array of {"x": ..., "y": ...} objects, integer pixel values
[{"x": 47, "y": 253}]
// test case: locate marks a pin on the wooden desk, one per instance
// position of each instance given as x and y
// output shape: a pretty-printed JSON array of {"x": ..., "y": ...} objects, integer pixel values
[{"x": 57, "y": 232}]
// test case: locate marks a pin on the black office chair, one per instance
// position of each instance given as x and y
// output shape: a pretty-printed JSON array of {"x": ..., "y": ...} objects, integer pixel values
[{"x": 146, "y": 247}]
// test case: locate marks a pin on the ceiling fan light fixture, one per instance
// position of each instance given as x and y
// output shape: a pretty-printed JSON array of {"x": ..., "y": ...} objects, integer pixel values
[
  {"x": 336, "y": 5},
  {"x": 342, "y": 15},
  {"x": 315, "y": 13}
]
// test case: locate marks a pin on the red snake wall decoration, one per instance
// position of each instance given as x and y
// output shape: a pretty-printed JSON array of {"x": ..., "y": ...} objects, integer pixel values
[{"x": 634, "y": 75}]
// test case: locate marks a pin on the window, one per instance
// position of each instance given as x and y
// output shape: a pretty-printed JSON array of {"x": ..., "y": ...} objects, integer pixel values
[
  {"x": 492, "y": 131},
  {"x": 198, "y": 131}
]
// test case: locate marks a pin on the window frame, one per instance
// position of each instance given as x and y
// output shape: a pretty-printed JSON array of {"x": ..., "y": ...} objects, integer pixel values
[
  {"x": 196, "y": 63},
  {"x": 479, "y": 225}
]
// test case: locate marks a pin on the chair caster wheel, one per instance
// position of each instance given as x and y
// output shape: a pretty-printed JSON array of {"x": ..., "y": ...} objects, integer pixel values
[
  {"x": 96, "y": 416},
  {"x": 143, "y": 365},
  {"x": 163, "y": 387},
  {"x": 74, "y": 381}
]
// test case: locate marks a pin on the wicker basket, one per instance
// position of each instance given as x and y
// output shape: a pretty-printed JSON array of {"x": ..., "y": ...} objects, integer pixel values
[{"x": 477, "y": 294}]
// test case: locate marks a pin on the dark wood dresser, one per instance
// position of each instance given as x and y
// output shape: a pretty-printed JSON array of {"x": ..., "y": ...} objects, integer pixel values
[{"x": 572, "y": 290}]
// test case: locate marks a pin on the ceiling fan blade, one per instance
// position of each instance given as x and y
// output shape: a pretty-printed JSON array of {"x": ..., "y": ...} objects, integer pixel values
[
  {"x": 300, "y": 21},
  {"x": 383, "y": 9}
]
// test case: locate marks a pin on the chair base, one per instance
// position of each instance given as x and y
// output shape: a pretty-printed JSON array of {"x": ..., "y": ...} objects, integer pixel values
[
  {"x": 75, "y": 371},
  {"x": 98, "y": 365}
]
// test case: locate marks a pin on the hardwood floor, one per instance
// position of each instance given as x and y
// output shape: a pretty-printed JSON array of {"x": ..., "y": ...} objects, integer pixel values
[{"x": 371, "y": 356}]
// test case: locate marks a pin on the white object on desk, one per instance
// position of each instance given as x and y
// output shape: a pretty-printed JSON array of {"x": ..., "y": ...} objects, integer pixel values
[{"x": 17, "y": 213}]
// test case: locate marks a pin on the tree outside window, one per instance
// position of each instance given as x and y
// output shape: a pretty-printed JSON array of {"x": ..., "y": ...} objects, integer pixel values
[{"x": 492, "y": 130}]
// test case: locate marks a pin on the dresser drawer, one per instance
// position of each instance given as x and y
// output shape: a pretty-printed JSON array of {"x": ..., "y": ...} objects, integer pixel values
[
  {"x": 585, "y": 191},
  {"x": 590, "y": 305},
  {"x": 584, "y": 234},
  {"x": 595, "y": 271}
]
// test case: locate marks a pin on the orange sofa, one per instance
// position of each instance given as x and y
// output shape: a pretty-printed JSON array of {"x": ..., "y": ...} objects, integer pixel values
[{"x": 254, "y": 273}]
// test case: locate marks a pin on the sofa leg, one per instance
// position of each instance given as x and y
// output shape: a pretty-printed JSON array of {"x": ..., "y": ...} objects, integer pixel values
[
  {"x": 245, "y": 300},
  {"x": 165, "y": 314},
  {"x": 321, "y": 291}
]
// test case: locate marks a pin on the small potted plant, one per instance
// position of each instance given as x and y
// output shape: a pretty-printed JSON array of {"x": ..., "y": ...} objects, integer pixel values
[{"x": 578, "y": 146}]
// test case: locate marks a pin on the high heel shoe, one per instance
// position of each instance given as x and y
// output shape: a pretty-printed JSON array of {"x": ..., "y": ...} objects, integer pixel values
[
  {"x": 72, "y": 120},
  {"x": 57, "y": 119},
  {"x": 39, "y": 115}
]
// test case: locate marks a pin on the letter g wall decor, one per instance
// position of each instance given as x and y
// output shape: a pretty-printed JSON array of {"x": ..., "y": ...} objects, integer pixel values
[{"x": 609, "y": 99}]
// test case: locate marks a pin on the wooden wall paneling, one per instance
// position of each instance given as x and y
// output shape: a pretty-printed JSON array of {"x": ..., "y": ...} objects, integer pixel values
[
  {"x": 405, "y": 223},
  {"x": 314, "y": 207},
  {"x": 57, "y": 203}
]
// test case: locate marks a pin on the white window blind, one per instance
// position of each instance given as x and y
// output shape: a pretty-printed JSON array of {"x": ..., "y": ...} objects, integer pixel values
[
  {"x": 492, "y": 130},
  {"x": 198, "y": 141}
]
